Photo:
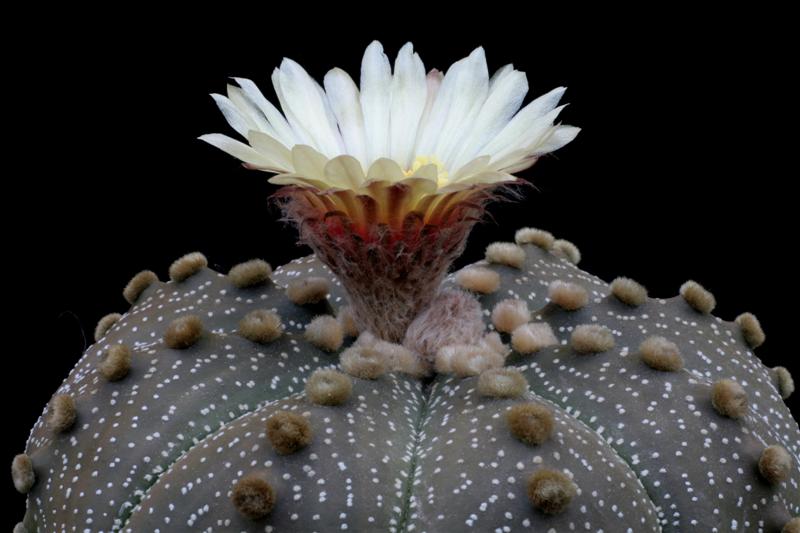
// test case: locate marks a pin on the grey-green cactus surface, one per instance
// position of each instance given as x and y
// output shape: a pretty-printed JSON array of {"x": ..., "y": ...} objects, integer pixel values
[{"x": 644, "y": 449}]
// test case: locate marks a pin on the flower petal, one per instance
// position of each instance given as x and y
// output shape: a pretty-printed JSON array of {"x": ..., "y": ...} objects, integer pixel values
[
  {"x": 301, "y": 135},
  {"x": 409, "y": 93},
  {"x": 504, "y": 100},
  {"x": 471, "y": 88},
  {"x": 529, "y": 139},
  {"x": 233, "y": 116},
  {"x": 476, "y": 166},
  {"x": 297, "y": 179},
  {"x": 272, "y": 149},
  {"x": 512, "y": 136},
  {"x": 249, "y": 110},
  {"x": 344, "y": 100},
  {"x": 240, "y": 151},
  {"x": 307, "y": 101},
  {"x": 385, "y": 169},
  {"x": 308, "y": 162},
  {"x": 283, "y": 132},
  {"x": 376, "y": 78},
  {"x": 344, "y": 171},
  {"x": 560, "y": 136}
]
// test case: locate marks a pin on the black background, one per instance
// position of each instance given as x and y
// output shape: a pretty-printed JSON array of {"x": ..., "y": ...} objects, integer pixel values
[{"x": 684, "y": 168}]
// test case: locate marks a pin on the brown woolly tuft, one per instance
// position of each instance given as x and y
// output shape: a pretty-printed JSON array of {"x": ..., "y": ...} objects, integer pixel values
[
  {"x": 550, "y": 491},
  {"x": 328, "y": 387},
  {"x": 325, "y": 333},
  {"x": 502, "y": 383},
  {"x": 288, "y": 432},
  {"x": 364, "y": 361},
  {"x": 775, "y": 464},
  {"x": 478, "y": 279},
  {"x": 509, "y": 314},
  {"x": 493, "y": 342},
  {"x": 22, "y": 473},
  {"x": 187, "y": 266},
  {"x": 532, "y": 337},
  {"x": 400, "y": 359},
  {"x": 309, "y": 290},
  {"x": 783, "y": 381},
  {"x": 116, "y": 364},
  {"x": 261, "y": 326},
  {"x": 568, "y": 296},
  {"x": 629, "y": 291},
  {"x": 792, "y": 526},
  {"x": 567, "y": 250},
  {"x": 729, "y": 398},
  {"x": 183, "y": 332},
  {"x": 591, "y": 338},
  {"x": 105, "y": 324},
  {"x": 661, "y": 354},
  {"x": 62, "y": 413},
  {"x": 250, "y": 273},
  {"x": 531, "y": 423},
  {"x": 698, "y": 297},
  {"x": 348, "y": 322},
  {"x": 751, "y": 329},
  {"x": 253, "y": 497},
  {"x": 454, "y": 316},
  {"x": 467, "y": 360},
  {"x": 505, "y": 253},
  {"x": 541, "y": 238},
  {"x": 138, "y": 284}
]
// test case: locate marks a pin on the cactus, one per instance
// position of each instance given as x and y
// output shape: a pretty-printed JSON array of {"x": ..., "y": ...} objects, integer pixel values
[
  {"x": 643, "y": 446},
  {"x": 363, "y": 388}
]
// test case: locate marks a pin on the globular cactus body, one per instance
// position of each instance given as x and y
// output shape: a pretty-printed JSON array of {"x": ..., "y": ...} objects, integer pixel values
[{"x": 629, "y": 447}]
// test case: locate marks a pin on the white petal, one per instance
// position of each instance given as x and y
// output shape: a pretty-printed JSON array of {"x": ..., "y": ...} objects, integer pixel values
[
  {"x": 300, "y": 133},
  {"x": 484, "y": 177},
  {"x": 435, "y": 117},
  {"x": 471, "y": 89},
  {"x": 434, "y": 82},
  {"x": 376, "y": 79},
  {"x": 239, "y": 150},
  {"x": 308, "y": 162},
  {"x": 296, "y": 179},
  {"x": 384, "y": 169},
  {"x": 345, "y": 172},
  {"x": 505, "y": 98},
  {"x": 560, "y": 136},
  {"x": 527, "y": 141},
  {"x": 346, "y": 106},
  {"x": 237, "y": 121},
  {"x": 476, "y": 166},
  {"x": 271, "y": 149},
  {"x": 499, "y": 74},
  {"x": 511, "y": 137},
  {"x": 283, "y": 131},
  {"x": 306, "y": 100},
  {"x": 409, "y": 93},
  {"x": 249, "y": 110}
]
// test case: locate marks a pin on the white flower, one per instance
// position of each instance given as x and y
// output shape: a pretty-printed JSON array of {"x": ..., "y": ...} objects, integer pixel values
[{"x": 453, "y": 130}]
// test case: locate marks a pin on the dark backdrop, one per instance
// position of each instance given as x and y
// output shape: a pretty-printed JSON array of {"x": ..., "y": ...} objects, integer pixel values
[{"x": 683, "y": 169}]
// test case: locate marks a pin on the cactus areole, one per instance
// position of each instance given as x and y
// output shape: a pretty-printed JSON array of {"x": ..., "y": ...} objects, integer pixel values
[{"x": 367, "y": 388}]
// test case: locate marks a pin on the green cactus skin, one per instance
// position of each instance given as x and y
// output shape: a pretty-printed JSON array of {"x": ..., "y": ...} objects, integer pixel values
[{"x": 161, "y": 449}]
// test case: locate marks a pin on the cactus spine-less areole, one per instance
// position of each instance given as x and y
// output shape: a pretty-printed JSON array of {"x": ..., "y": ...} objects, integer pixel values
[{"x": 365, "y": 389}]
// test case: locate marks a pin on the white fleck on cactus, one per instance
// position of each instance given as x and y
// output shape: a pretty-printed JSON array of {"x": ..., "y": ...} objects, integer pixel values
[{"x": 364, "y": 389}]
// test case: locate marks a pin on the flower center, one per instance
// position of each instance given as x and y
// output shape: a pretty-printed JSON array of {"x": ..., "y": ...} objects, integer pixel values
[{"x": 421, "y": 161}]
